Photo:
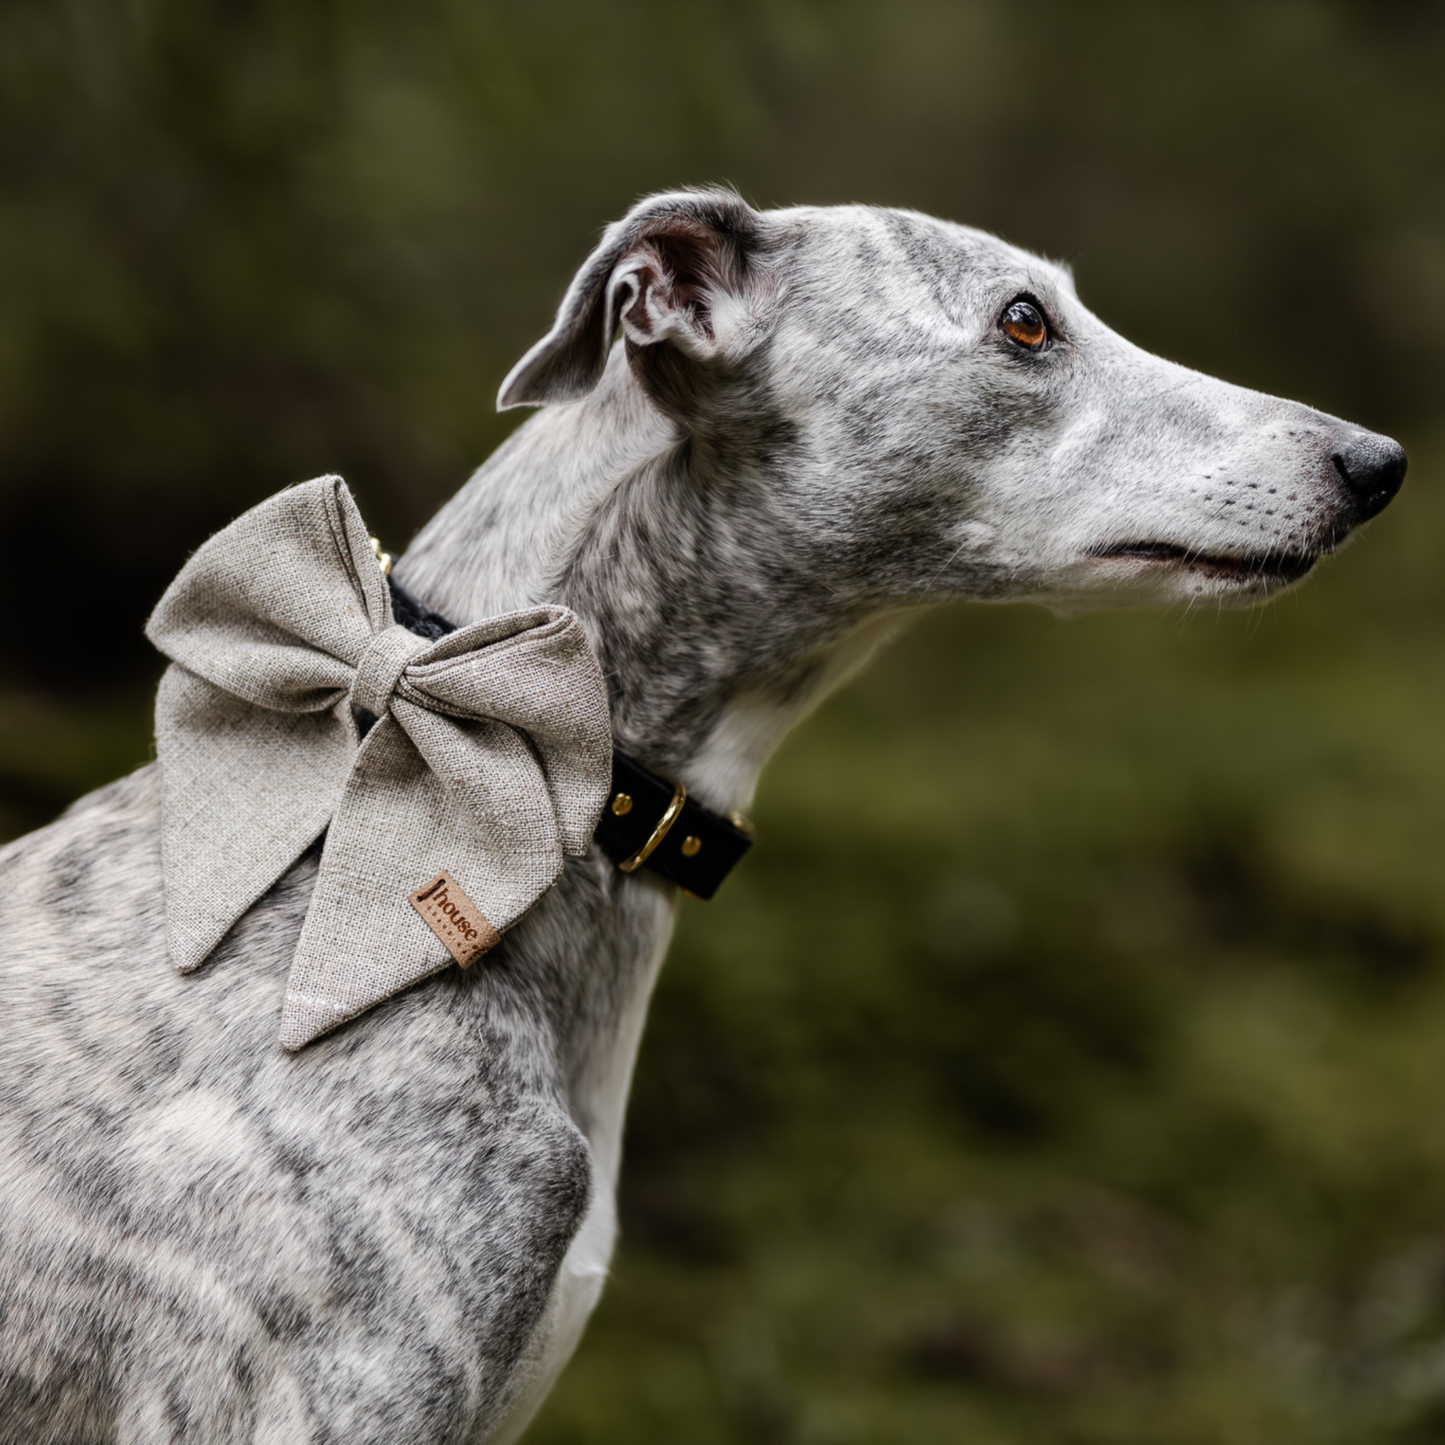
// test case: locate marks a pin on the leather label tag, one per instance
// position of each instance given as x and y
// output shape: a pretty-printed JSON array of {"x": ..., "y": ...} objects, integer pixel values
[{"x": 454, "y": 918}]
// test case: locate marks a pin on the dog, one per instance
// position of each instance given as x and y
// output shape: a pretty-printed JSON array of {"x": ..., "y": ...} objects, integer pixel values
[{"x": 765, "y": 439}]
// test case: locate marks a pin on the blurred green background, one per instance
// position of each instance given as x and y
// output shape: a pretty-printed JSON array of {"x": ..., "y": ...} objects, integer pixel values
[{"x": 1067, "y": 1063}]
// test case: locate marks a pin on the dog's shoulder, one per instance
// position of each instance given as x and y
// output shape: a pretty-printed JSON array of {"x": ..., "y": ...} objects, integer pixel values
[{"x": 259, "y": 1236}]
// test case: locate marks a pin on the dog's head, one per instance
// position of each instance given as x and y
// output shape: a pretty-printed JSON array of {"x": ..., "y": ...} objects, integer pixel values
[{"x": 925, "y": 411}]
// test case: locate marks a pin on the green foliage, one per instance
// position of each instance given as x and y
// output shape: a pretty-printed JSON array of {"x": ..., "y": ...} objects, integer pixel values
[{"x": 1065, "y": 1063}]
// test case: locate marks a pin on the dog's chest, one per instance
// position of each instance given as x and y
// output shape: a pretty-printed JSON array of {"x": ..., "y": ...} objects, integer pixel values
[{"x": 376, "y": 1224}]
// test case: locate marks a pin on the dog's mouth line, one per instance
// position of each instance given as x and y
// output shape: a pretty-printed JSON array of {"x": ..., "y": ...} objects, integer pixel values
[{"x": 1259, "y": 566}]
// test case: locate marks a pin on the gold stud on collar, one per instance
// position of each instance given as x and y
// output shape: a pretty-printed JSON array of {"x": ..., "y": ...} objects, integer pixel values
[
  {"x": 622, "y": 803},
  {"x": 691, "y": 846},
  {"x": 383, "y": 558}
]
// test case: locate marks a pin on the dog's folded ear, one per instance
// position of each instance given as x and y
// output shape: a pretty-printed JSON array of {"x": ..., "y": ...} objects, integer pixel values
[{"x": 682, "y": 277}]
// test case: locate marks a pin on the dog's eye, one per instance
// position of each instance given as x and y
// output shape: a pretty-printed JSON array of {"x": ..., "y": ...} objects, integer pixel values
[{"x": 1022, "y": 323}]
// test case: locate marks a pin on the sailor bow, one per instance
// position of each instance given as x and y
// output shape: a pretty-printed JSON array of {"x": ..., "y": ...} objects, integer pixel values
[{"x": 490, "y": 756}]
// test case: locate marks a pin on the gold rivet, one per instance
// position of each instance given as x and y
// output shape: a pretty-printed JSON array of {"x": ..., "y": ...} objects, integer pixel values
[
  {"x": 621, "y": 804},
  {"x": 691, "y": 847}
]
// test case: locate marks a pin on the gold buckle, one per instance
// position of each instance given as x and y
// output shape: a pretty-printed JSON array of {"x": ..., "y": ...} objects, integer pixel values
[{"x": 679, "y": 797}]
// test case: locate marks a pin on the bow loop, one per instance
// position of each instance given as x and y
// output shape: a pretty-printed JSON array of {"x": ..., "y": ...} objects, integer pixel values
[
  {"x": 480, "y": 669},
  {"x": 490, "y": 759},
  {"x": 279, "y": 607}
]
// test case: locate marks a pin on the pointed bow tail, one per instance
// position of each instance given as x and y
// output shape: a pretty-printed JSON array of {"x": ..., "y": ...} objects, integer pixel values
[{"x": 489, "y": 760}]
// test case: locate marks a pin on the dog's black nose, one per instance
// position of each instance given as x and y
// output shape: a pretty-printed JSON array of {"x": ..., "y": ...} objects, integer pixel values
[{"x": 1372, "y": 468}]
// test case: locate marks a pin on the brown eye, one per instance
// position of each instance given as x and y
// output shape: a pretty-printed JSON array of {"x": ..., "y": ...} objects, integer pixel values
[{"x": 1023, "y": 323}]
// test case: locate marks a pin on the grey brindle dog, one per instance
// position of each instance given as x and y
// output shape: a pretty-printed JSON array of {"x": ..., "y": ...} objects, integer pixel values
[{"x": 814, "y": 422}]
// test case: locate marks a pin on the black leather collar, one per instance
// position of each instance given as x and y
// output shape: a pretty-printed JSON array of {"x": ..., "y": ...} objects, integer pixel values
[{"x": 648, "y": 822}]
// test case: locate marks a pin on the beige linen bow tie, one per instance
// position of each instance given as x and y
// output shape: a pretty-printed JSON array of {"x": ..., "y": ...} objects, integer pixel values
[{"x": 490, "y": 759}]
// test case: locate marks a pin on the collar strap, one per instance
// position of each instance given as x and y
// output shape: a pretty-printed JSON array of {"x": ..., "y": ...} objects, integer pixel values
[{"x": 648, "y": 822}]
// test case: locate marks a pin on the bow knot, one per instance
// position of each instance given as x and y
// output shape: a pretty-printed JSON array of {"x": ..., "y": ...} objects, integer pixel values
[
  {"x": 489, "y": 761},
  {"x": 381, "y": 667}
]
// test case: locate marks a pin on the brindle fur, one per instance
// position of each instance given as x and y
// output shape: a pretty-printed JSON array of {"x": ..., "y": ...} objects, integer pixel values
[{"x": 810, "y": 425}]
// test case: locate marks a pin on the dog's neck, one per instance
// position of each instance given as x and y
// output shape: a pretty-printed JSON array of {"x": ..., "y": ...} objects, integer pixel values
[{"x": 605, "y": 506}]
